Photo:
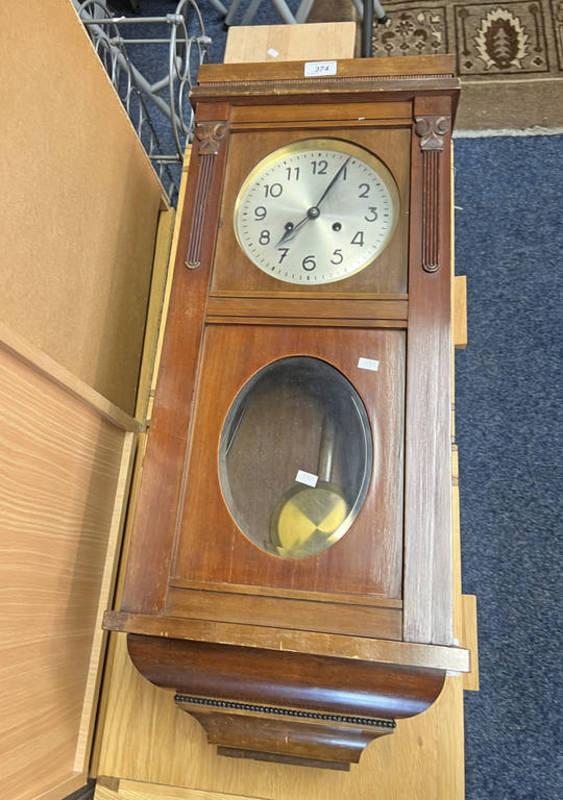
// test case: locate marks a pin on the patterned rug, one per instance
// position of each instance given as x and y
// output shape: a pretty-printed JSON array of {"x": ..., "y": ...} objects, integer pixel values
[{"x": 509, "y": 55}]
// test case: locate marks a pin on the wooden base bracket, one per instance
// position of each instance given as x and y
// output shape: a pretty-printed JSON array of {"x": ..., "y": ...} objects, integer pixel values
[
  {"x": 289, "y": 717},
  {"x": 286, "y": 735}
]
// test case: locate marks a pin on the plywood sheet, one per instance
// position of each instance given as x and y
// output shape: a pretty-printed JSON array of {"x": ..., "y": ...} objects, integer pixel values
[
  {"x": 63, "y": 479},
  {"x": 80, "y": 202}
]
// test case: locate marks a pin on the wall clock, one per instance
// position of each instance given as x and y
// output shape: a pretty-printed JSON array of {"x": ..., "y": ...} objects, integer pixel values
[
  {"x": 290, "y": 570},
  {"x": 316, "y": 211}
]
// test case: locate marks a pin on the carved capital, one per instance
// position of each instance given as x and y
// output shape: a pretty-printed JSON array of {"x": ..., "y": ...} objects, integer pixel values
[
  {"x": 209, "y": 136},
  {"x": 432, "y": 128}
]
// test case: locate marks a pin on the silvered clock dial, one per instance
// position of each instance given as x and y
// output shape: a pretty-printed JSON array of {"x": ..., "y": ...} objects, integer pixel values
[{"x": 316, "y": 211}]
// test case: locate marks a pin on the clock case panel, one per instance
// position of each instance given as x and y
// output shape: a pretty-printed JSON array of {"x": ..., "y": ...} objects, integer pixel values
[
  {"x": 234, "y": 275},
  {"x": 409, "y": 646},
  {"x": 367, "y": 561}
]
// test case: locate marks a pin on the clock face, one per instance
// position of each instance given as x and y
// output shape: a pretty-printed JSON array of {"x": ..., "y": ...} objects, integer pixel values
[{"x": 316, "y": 211}]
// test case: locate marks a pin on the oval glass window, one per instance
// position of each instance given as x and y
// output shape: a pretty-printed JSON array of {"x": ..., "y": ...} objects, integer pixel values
[{"x": 295, "y": 457}]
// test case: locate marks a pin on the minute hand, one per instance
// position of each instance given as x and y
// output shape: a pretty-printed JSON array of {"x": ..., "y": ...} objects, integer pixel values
[{"x": 333, "y": 181}]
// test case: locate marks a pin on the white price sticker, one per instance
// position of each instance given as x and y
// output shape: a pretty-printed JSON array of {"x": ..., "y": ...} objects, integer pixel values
[
  {"x": 368, "y": 363},
  {"x": 316, "y": 69},
  {"x": 307, "y": 478}
]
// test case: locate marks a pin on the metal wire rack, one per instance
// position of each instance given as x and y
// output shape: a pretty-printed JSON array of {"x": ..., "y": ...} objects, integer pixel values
[{"x": 158, "y": 109}]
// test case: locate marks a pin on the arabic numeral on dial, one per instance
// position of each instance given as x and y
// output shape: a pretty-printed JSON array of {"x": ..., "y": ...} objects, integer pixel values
[
  {"x": 372, "y": 216},
  {"x": 264, "y": 237},
  {"x": 358, "y": 238},
  {"x": 273, "y": 189},
  {"x": 260, "y": 212},
  {"x": 284, "y": 251},
  {"x": 337, "y": 257},
  {"x": 319, "y": 167},
  {"x": 309, "y": 263},
  {"x": 293, "y": 173},
  {"x": 363, "y": 190}
]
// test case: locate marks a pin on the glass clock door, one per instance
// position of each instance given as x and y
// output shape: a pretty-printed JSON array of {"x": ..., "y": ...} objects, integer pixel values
[
  {"x": 295, "y": 464},
  {"x": 295, "y": 457}
]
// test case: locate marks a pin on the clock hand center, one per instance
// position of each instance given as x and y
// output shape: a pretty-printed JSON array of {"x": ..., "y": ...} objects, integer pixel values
[{"x": 291, "y": 230}]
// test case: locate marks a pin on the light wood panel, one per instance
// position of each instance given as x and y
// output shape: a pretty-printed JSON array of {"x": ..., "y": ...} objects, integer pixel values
[
  {"x": 93, "y": 679},
  {"x": 155, "y": 311},
  {"x": 469, "y": 640},
  {"x": 63, "y": 478},
  {"x": 24, "y": 351},
  {"x": 81, "y": 202},
  {"x": 459, "y": 312},
  {"x": 155, "y": 333},
  {"x": 287, "y": 43}
]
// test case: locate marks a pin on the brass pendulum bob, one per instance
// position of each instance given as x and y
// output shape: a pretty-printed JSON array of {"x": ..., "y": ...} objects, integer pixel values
[{"x": 308, "y": 519}]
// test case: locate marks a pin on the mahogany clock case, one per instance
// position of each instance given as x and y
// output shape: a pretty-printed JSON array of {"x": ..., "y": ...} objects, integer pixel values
[{"x": 383, "y": 592}]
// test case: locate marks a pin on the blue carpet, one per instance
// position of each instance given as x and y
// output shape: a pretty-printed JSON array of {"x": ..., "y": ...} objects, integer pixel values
[{"x": 509, "y": 242}]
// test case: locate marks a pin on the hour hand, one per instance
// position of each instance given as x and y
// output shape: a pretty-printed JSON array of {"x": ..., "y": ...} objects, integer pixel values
[
  {"x": 288, "y": 234},
  {"x": 290, "y": 231}
]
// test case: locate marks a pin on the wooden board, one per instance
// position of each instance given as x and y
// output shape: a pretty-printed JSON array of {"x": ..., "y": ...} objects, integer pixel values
[
  {"x": 81, "y": 202},
  {"x": 290, "y": 42},
  {"x": 469, "y": 639},
  {"x": 146, "y": 389},
  {"x": 459, "y": 312},
  {"x": 64, "y": 475},
  {"x": 155, "y": 310}
]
